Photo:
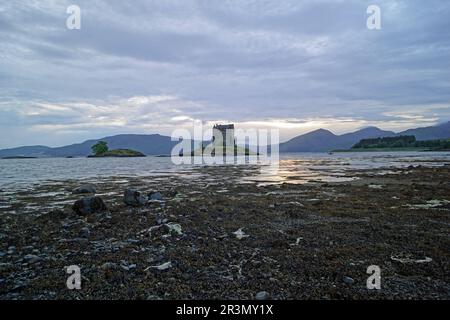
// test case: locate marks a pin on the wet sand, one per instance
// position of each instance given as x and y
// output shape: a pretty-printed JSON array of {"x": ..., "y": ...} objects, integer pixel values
[{"x": 310, "y": 240}]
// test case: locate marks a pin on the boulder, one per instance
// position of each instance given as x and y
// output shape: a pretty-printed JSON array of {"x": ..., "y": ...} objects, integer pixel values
[
  {"x": 86, "y": 188},
  {"x": 89, "y": 205},
  {"x": 134, "y": 198}
]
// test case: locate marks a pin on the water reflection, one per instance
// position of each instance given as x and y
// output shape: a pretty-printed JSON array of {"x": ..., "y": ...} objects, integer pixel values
[
  {"x": 303, "y": 168},
  {"x": 292, "y": 168}
]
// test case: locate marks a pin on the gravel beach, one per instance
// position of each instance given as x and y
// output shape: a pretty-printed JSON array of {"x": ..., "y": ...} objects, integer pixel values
[{"x": 218, "y": 236}]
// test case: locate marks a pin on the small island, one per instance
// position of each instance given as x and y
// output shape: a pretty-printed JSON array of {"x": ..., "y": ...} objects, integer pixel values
[
  {"x": 101, "y": 150},
  {"x": 223, "y": 143}
]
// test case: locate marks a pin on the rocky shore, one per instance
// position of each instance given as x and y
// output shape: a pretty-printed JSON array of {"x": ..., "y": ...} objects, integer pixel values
[{"x": 208, "y": 237}]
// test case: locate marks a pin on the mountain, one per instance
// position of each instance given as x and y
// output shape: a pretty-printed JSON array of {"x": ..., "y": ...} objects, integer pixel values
[
  {"x": 30, "y": 151},
  {"x": 347, "y": 140},
  {"x": 315, "y": 141},
  {"x": 323, "y": 140},
  {"x": 320, "y": 140},
  {"x": 441, "y": 131},
  {"x": 153, "y": 144}
]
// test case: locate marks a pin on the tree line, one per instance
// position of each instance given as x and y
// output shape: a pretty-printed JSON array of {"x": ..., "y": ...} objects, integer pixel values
[{"x": 402, "y": 142}]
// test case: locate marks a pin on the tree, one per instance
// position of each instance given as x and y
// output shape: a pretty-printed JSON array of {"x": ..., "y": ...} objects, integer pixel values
[{"x": 100, "y": 147}]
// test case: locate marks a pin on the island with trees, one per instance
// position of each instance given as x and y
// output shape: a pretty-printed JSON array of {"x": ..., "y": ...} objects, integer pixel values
[
  {"x": 399, "y": 143},
  {"x": 101, "y": 150}
]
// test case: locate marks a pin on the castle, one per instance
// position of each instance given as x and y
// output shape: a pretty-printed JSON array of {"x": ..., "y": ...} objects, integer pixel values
[{"x": 223, "y": 134}]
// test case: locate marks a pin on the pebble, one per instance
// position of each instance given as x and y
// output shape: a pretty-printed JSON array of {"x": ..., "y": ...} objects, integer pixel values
[
  {"x": 348, "y": 280},
  {"x": 108, "y": 266},
  {"x": 128, "y": 267},
  {"x": 240, "y": 234},
  {"x": 162, "y": 221},
  {"x": 161, "y": 267},
  {"x": 32, "y": 258},
  {"x": 174, "y": 227},
  {"x": 19, "y": 286},
  {"x": 85, "y": 232},
  {"x": 262, "y": 295}
]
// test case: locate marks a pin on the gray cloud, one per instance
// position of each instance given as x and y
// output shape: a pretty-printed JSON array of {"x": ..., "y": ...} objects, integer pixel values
[{"x": 242, "y": 61}]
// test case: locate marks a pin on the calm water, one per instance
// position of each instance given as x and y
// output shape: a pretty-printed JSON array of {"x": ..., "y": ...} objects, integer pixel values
[{"x": 295, "y": 168}]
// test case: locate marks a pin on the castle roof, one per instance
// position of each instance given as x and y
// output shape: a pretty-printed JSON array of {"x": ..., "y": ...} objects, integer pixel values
[{"x": 223, "y": 126}]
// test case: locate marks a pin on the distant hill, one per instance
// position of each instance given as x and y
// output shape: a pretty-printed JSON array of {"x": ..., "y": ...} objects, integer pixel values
[
  {"x": 323, "y": 140},
  {"x": 30, "y": 151},
  {"x": 154, "y": 144},
  {"x": 441, "y": 131},
  {"x": 315, "y": 141}
]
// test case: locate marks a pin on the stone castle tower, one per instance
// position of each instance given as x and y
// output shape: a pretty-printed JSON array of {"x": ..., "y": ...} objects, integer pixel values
[{"x": 224, "y": 134}]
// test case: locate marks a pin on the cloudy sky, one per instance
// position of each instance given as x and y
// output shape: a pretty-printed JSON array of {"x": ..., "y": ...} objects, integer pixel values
[{"x": 150, "y": 66}]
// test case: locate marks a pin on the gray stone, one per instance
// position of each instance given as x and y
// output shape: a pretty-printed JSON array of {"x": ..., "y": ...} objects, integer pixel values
[
  {"x": 89, "y": 205},
  {"x": 31, "y": 258},
  {"x": 162, "y": 221},
  {"x": 155, "y": 196},
  {"x": 348, "y": 280},
  {"x": 109, "y": 266},
  {"x": 134, "y": 198},
  {"x": 262, "y": 295},
  {"x": 86, "y": 188},
  {"x": 125, "y": 266},
  {"x": 19, "y": 286},
  {"x": 85, "y": 232}
]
